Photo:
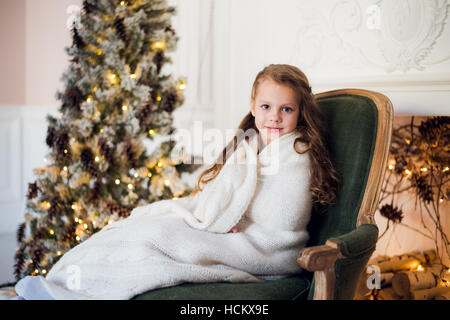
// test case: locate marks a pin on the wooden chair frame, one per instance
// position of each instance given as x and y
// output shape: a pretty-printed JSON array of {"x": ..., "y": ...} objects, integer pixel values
[{"x": 321, "y": 259}]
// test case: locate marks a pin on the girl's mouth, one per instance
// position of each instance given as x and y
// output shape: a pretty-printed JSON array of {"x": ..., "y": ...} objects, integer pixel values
[{"x": 273, "y": 129}]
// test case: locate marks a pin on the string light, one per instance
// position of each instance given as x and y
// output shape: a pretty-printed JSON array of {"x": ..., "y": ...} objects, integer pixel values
[
  {"x": 151, "y": 132},
  {"x": 159, "y": 45},
  {"x": 159, "y": 164},
  {"x": 133, "y": 76},
  {"x": 391, "y": 167},
  {"x": 59, "y": 253},
  {"x": 130, "y": 186},
  {"x": 97, "y": 159},
  {"x": 112, "y": 78},
  {"x": 117, "y": 181},
  {"x": 51, "y": 232},
  {"x": 78, "y": 238},
  {"x": 123, "y": 3},
  {"x": 167, "y": 182},
  {"x": 99, "y": 52},
  {"x": 89, "y": 99},
  {"x": 408, "y": 172},
  {"x": 85, "y": 226},
  {"x": 158, "y": 98},
  {"x": 181, "y": 84},
  {"x": 46, "y": 205},
  {"x": 420, "y": 268},
  {"x": 124, "y": 108},
  {"x": 445, "y": 169},
  {"x": 149, "y": 175},
  {"x": 44, "y": 271},
  {"x": 424, "y": 169},
  {"x": 65, "y": 168},
  {"x": 66, "y": 151}
]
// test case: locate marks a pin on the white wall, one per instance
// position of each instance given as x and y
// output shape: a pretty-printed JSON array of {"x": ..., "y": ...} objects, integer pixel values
[{"x": 400, "y": 48}]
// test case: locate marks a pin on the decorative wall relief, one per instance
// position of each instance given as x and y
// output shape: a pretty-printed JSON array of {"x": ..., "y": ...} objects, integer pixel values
[{"x": 379, "y": 35}]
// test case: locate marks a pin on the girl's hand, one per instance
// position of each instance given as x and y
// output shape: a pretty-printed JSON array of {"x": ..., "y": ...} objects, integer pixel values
[{"x": 233, "y": 230}]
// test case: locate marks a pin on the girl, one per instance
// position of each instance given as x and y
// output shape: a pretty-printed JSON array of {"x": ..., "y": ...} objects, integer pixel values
[{"x": 247, "y": 223}]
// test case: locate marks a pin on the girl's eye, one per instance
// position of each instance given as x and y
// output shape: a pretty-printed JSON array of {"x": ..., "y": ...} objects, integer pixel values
[
  {"x": 288, "y": 109},
  {"x": 264, "y": 106}
]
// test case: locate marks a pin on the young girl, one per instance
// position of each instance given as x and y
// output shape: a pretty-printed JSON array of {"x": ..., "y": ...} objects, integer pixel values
[{"x": 247, "y": 223}]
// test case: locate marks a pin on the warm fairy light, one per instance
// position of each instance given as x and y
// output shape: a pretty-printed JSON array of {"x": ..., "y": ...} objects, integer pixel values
[
  {"x": 149, "y": 175},
  {"x": 59, "y": 253},
  {"x": 44, "y": 271},
  {"x": 175, "y": 198},
  {"x": 420, "y": 268},
  {"x": 97, "y": 159},
  {"x": 133, "y": 76},
  {"x": 109, "y": 221},
  {"x": 101, "y": 130},
  {"x": 80, "y": 221},
  {"x": 76, "y": 219},
  {"x": 159, "y": 45},
  {"x": 151, "y": 132},
  {"x": 74, "y": 207},
  {"x": 85, "y": 226},
  {"x": 124, "y": 108},
  {"x": 445, "y": 169},
  {"x": 78, "y": 238},
  {"x": 51, "y": 232},
  {"x": 407, "y": 141},
  {"x": 167, "y": 182},
  {"x": 65, "y": 151},
  {"x": 160, "y": 164},
  {"x": 99, "y": 52},
  {"x": 408, "y": 172},
  {"x": 158, "y": 98},
  {"x": 181, "y": 84},
  {"x": 65, "y": 167},
  {"x": 117, "y": 181},
  {"x": 89, "y": 99},
  {"x": 424, "y": 169},
  {"x": 130, "y": 186},
  {"x": 391, "y": 167},
  {"x": 112, "y": 78},
  {"x": 46, "y": 205},
  {"x": 136, "y": 175},
  {"x": 441, "y": 200},
  {"x": 123, "y": 3},
  {"x": 36, "y": 271}
]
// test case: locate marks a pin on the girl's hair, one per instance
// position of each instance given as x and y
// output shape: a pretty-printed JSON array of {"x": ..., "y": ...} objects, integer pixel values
[{"x": 324, "y": 178}]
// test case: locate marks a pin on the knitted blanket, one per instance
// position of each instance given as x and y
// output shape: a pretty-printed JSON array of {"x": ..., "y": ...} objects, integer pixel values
[{"x": 169, "y": 242}]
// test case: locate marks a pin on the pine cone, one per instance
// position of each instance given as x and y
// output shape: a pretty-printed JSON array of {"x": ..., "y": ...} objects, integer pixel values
[
  {"x": 96, "y": 192},
  {"x": 392, "y": 213},
  {"x": 145, "y": 115},
  {"x": 430, "y": 128},
  {"x": 77, "y": 40},
  {"x": 87, "y": 159},
  {"x": 19, "y": 258},
  {"x": 32, "y": 191},
  {"x": 106, "y": 151},
  {"x": 88, "y": 7},
  {"x": 55, "y": 206},
  {"x": 158, "y": 59},
  {"x": 114, "y": 207},
  {"x": 130, "y": 154},
  {"x": 121, "y": 30},
  {"x": 423, "y": 189},
  {"x": 73, "y": 99},
  {"x": 169, "y": 102},
  {"x": 51, "y": 134},
  {"x": 20, "y": 235}
]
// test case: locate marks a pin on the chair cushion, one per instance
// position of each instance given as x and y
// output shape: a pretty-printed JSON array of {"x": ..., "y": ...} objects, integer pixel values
[{"x": 293, "y": 287}]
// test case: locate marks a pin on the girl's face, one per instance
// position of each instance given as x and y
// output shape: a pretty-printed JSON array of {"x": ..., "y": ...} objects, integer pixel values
[{"x": 276, "y": 110}]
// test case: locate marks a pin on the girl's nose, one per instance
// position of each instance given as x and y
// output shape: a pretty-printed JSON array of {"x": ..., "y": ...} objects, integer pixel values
[{"x": 275, "y": 116}]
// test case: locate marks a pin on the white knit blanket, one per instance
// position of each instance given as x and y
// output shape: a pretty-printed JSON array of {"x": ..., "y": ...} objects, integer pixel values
[{"x": 187, "y": 240}]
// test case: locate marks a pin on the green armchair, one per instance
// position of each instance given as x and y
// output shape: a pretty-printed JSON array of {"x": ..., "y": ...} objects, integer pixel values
[{"x": 341, "y": 240}]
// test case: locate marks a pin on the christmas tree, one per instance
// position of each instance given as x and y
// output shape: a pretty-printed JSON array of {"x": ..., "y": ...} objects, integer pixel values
[{"x": 115, "y": 96}]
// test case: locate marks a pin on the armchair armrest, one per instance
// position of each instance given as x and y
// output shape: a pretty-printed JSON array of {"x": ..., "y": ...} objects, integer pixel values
[{"x": 355, "y": 247}]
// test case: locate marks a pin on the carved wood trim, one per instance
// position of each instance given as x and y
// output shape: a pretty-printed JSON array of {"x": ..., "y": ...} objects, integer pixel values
[{"x": 372, "y": 191}]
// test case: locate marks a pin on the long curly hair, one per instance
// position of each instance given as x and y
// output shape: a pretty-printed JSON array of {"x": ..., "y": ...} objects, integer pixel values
[{"x": 325, "y": 180}]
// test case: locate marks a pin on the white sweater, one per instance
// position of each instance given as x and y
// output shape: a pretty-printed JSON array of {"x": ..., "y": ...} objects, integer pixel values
[{"x": 186, "y": 240}]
